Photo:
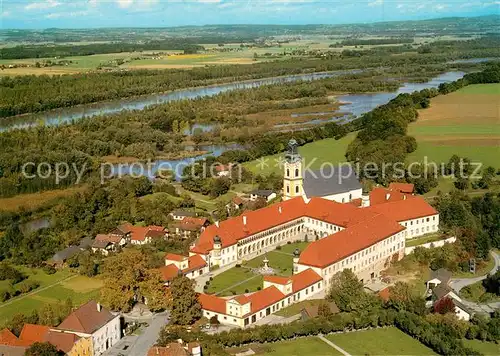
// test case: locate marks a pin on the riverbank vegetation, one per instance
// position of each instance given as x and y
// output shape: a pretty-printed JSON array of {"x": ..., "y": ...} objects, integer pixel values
[{"x": 26, "y": 94}]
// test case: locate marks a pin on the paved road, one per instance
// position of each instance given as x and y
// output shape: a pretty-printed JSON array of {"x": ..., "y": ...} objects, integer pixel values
[
  {"x": 458, "y": 283},
  {"x": 138, "y": 345}
]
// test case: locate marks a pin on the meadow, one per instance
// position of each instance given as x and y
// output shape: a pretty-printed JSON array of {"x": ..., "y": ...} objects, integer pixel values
[
  {"x": 315, "y": 153},
  {"x": 54, "y": 289},
  {"x": 465, "y": 123},
  {"x": 371, "y": 342},
  {"x": 299, "y": 347}
]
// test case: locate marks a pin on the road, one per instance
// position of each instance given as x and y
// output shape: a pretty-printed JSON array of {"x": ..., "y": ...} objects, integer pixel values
[
  {"x": 138, "y": 345},
  {"x": 458, "y": 283}
]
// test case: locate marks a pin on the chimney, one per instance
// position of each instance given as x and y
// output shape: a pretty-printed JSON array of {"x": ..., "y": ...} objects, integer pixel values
[
  {"x": 404, "y": 196},
  {"x": 157, "y": 351},
  {"x": 217, "y": 223},
  {"x": 279, "y": 209},
  {"x": 99, "y": 308},
  {"x": 387, "y": 196},
  {"x": 244, "y": 220}
]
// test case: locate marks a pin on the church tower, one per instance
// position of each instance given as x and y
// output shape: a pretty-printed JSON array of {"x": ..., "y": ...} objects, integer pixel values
[{"x": 292, "y": 178}]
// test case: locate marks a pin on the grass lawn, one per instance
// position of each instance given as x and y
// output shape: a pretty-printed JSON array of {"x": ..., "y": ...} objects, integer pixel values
[
  {"x": 281, "y": 262},
  {"x": 386, "y": 341},
  {"x": 289, "y": 248},
  {"x": 315, "y": 153},
  {"x": 425, "y": 239},
  {"x": 295, "y": 309},
  {"x": 464, "y": 123},
  {"x": 486, "y": 348},
  {"x": 300, "y": 347},
  {"x": 229, "y": 278},
  {"x": 249, "y": 286},
  {"x": 79, "y": 288}
]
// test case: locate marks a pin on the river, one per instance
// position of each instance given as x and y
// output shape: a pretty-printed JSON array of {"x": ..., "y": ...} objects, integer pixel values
[{"x": 58, "y": 116}]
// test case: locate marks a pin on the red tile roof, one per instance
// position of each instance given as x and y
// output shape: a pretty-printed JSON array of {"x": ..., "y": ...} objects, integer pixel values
[
  {"x": 402, "y": 187},
  {"x": 403, "y": 210},
  {"x": 212, "y": 303},
  {"x": 87, "y": 318},
  {"x": 63, "y": 341},
  {"x": 242, "y": 299},
  {"x": 299, "y": 281},
  {"x": 304, "y": 279},
  {"x": 334, "y": 248},
  {"x": 233, "y": 229},
  {"x": 175, "y": 257},
  {"x": 171, "y": 271},
  {"x": 381, "y": 195},
  {"x": 139, "y": 233},
  {"x": 34, "y": 333},
  {"x": 7, "y": 338},
  {"x": 264, "y": 298},
  {"x": 190, "y": 223},
  {"x": 108, "y": 238},
  {"x": 277, "y": 279},
  {"x": 237, "y": 200}
]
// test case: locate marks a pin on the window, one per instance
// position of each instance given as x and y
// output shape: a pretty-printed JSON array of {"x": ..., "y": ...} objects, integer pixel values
[
  {"x": 287, "y": 189},
  {"x": 296, "y": 189},
  {"x": 296, "y": 172},
  {"x": 288, "y": 172}
]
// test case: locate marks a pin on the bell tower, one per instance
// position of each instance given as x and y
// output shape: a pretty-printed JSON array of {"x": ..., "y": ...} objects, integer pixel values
[{"x": 292, "y": 176}]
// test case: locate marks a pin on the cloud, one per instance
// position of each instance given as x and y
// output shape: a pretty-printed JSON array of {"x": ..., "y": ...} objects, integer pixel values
[
  {"x": 376, "y": 3},
  {"x": 42, "y": 5},
  {"x": 439, "y": 7},
  {"x": 5, "y": 14},
  {"x": 58, "y": 15},
  {"x": 124, "y": 3}
]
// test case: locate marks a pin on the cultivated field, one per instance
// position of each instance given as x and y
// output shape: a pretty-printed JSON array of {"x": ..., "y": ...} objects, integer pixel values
[
  {"x": 466, "y": 123},
  {"x": 35, "y": 200},
  {"x": 386, "y": 341},
  {"x": 54, "y": 289}
]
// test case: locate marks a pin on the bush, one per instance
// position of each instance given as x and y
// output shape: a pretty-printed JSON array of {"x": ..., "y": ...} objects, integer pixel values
[
  {"x": 233, "y": 292},
  {"x": 49, "y": 269},
  {"x": 205, "y": 287},
  {"x": 278, "y": 248},
  {"x": 247, "y": 291},
  {"x": 27, "y": 286},
  {"x": 237, "y": 265},
  {"x": 259, "y": 288},
  {"x": 4, "y": 295},
  {"x": 11, "y": 273}
]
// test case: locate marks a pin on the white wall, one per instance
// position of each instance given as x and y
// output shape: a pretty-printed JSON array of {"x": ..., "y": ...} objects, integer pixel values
[
  {"x": 421, "y": 226},
  {"x": 345, "y": 197},
  {"x": 365, "y": 262},
  {"x": 439, "y": 243}
]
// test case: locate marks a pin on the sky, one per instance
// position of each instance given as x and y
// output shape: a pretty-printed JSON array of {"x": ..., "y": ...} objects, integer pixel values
[{"x": 163, "y": 13}]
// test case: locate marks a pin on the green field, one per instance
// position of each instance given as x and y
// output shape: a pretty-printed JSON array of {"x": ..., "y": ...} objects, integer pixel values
[
  {"x": 465, "y": 123},
  {"x": 299, "y": 347},
  {"x": 315, "y": 153},
  {"x": 484, "y": 347},
  {"x": 241, "y": 279},
  {"x": 64, "y": 285},
  {"x": 384, "y": 341}
]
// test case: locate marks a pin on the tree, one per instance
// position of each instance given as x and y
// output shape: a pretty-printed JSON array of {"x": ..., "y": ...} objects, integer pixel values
[
  {"x": 43, "y": 349},
  {"x": 154, "y": 291},
  {"x": 185, "y": 307},
  {"x": 324, "y": 310},
  {"x": 444, "y": 305},
  {"x": 401, "y": 297},
  {"x": 126, "y": 278},
  {"x": 348, "y": 293}
]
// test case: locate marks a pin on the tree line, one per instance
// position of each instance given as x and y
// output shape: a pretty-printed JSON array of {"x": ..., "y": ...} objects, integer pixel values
[
  {"x": 382, "y": 138},
  {"x": 25, "y": 94}
]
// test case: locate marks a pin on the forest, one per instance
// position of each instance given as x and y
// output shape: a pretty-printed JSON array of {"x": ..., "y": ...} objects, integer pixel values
[{"x": 26, "y": 94}]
